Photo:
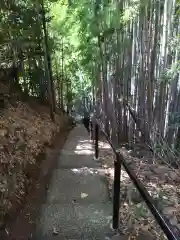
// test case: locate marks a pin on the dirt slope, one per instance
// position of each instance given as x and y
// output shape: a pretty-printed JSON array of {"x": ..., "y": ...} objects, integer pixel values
[{"x": 25, "y": 131}]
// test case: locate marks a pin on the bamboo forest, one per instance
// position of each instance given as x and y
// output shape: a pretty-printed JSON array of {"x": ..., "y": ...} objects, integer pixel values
[{"x": 116, "y": 62}]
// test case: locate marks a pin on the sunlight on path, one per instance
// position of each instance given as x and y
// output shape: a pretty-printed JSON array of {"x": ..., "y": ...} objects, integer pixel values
[{"x": 77, "y": 203}]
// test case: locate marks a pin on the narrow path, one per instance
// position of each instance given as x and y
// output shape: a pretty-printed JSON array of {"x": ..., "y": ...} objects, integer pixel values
[{"x": 77, "y": 204}]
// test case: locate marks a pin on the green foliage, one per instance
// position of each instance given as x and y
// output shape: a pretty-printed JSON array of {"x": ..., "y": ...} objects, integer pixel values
[
  {"x": 70, "y": 26},
  {"x": 22, "y": 40},
  {"x": 78, "y": 32},
  {"x": 170, "y": 73}
]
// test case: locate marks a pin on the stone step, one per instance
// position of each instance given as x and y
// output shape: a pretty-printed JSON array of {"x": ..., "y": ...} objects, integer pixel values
[
  {"x": 79, "y": 152},
  {"x": 77, "y": 201},
  {"x": 97, "y": 237},
  {"x": 74, "y": 221},
  {"x": 78, "y": 184},
  {"x": 76, "y": 161},
  {"x": 82, "y": 146}
]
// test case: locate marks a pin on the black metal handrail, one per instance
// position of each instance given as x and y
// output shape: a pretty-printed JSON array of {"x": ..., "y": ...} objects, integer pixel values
[{"x": 164, "y": 224}]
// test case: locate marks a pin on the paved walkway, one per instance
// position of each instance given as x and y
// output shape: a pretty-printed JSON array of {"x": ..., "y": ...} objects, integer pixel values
[{"x": 77, "y": 204}]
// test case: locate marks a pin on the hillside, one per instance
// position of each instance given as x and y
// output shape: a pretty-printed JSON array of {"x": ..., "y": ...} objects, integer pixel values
[{"x": 25, "y": 132}]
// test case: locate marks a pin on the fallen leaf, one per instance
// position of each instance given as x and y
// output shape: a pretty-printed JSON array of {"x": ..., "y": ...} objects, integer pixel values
[
  {"x": 55, "y": 231},
  {"x": 174, "y": 221},
  {"x": 84, "y": 195}
]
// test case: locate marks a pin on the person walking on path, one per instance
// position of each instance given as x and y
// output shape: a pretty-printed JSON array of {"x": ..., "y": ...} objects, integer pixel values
[{"x": 86, "y": 121}]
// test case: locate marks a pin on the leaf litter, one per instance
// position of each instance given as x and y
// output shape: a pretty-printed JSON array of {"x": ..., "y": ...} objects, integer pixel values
[
  {"x": 162, "y": 183},
  {"x": 24, "y": 133}
]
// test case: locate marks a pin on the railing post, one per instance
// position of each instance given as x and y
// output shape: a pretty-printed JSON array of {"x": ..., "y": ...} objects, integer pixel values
[
  {"x": 91, "y": 129},
  {"x": 96, "y": 141},
  {"x": 116, "y": 193}
]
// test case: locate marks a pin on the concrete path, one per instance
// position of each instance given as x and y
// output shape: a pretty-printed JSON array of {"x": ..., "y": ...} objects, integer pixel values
[{"x": 77, "y": 204}]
